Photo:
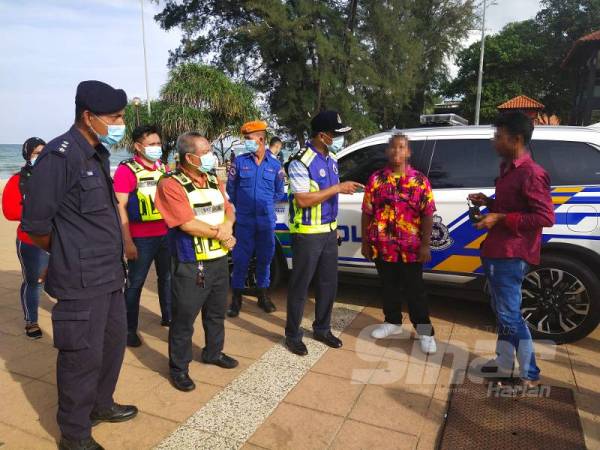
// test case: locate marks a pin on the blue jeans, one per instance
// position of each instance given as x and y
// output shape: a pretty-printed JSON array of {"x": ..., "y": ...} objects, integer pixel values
[
  {"x": 33, "y": 261},
  {"x": 505, "y": 277},
  {"x": 149, "y": 249}
]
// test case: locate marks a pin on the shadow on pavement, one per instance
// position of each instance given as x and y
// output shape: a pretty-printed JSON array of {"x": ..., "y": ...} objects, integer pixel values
[{"x": 22, "y": 357}]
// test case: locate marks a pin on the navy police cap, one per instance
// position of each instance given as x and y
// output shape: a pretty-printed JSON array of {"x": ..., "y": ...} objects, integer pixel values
[
  {"x": 328, "y": 121},
  {"x": 99, "y": 97}
]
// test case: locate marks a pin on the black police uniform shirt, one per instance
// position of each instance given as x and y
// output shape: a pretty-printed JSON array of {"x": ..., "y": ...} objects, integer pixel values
[{"x": 70, "y": 196}]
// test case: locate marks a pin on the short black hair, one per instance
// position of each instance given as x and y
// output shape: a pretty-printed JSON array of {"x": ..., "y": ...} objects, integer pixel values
[
  {"x": 516, "y": 123},
  {"x": 398, "y": 136},
  {"x": 274, "y": 140},
  {"x": 142, "y": 131}
]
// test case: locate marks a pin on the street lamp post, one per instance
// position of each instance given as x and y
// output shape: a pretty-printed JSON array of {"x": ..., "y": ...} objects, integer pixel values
[
  {"x": 136, "y": 102},
  {"x": 145, "y": 60},
  {"x": 481, "y": 52}
]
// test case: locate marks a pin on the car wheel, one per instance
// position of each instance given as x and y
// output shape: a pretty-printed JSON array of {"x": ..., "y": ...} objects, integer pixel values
[{"x": 561, "y": 299}]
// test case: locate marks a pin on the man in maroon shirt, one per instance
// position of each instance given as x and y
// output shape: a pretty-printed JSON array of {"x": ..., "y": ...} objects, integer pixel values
[{"x": 522, "y": 207}]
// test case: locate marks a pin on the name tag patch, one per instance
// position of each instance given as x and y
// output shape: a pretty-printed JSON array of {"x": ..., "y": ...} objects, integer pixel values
[
  {"x": 147, "y": 183},
  {"x": 209, "y": 209}
]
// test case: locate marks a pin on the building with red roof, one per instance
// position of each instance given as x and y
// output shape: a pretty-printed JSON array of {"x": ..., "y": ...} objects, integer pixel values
[{"x": 524, "y": 104}]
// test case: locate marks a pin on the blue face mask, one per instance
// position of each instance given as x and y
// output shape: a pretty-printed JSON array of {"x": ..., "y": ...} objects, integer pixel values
[
  {"x": 32, "y": 160},
  {"x": 153, "y": 152},
  {"x": 208, "y": 162},
  {"x": 113, "y": 136},
  {"x": 251, "y": 146},
  {"x": 336, "y": 145}
]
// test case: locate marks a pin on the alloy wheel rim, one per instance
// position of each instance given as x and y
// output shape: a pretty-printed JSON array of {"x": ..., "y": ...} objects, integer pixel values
[{"x": 554, "y": 301}]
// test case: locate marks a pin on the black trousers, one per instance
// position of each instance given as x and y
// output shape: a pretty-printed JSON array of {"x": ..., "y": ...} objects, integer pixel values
[
  {"x": 188, "y": 300},
  {"x": 313, "y": 255},
  {"x": 90, "y": 335},
  {"x": 404, "y": 280}
]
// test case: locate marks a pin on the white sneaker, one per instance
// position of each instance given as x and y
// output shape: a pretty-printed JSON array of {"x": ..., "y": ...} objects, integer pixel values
[
  {"x": 428, "y": 344},
  {"x": 386, "y": 329}
]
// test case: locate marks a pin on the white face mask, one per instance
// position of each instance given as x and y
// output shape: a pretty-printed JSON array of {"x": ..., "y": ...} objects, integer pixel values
[
  {"x": 336, "y": 145},
  {"x": 208, "y": 161},
  {"x": 153, "y": 152}
]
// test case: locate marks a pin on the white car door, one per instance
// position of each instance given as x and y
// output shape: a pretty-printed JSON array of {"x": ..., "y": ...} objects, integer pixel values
[{"x": 460, "y": 165}]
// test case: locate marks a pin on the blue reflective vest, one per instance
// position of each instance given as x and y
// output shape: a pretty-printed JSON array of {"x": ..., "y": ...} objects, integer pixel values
[{"x": 323, "y": 173}]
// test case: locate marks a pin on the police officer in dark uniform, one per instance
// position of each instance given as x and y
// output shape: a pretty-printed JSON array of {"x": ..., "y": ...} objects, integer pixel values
[
  {"x": 71, "y": 212},
  {"x": 314, "y": 189}
]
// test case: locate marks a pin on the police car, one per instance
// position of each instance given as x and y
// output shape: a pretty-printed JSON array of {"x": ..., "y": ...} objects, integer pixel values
[{"x": 561, "y": 296}]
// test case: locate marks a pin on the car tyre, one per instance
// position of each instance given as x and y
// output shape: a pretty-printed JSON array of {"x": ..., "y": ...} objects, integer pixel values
[{"x": 561, "y": 299}]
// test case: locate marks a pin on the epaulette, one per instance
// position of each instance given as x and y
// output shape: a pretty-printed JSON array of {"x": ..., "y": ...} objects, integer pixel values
[
  {"x": 212, "y": 180},
  {"x": 299, "y": 156},
  {"x": 62, "y": 149},
  {"x": 133, "y": 165},
  {"x": 171, "y": 174}
]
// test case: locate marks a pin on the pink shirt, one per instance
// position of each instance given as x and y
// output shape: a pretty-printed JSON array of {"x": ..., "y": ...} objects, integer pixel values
[{"x": 125, "y": 182}]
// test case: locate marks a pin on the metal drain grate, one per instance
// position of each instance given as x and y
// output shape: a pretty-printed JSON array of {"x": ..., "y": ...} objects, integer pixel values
[{"x": 480, "y": 417}]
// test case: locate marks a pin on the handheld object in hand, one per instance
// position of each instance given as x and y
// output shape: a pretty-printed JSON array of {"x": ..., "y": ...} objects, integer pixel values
[
  {"x": 200, "y": 275},
  {"x": 474, "y": 212}
]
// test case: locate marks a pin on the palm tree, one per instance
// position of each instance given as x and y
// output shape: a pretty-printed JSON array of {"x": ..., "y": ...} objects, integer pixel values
[
  {"x": 196, "y": 98},
  {"x": 204, "y": 99}
]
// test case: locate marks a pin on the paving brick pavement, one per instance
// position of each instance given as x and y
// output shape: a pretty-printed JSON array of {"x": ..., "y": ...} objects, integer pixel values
[{"x": 375, "y": 395}]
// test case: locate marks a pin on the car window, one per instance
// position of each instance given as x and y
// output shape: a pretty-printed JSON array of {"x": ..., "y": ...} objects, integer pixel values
[
  {"x": 568, "y": 163},
  {"x": 360, "y": 164},
  {"x": 464, "y": 163}
]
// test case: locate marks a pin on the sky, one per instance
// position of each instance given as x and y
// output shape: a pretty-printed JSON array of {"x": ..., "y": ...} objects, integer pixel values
[{"x": 49, "y": 46}]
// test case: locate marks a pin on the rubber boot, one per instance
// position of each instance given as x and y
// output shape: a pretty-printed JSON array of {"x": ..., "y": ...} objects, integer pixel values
[
  {"x": 264, "y": 302},
  {"x": 236, "y": 303}
]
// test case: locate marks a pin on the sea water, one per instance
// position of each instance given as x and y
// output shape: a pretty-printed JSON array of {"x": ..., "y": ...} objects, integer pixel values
[{"x": 11, "y": 159}]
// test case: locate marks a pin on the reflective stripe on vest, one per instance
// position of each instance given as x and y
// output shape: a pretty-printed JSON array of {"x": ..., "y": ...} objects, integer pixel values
[
  {"x": 312, "y": 214},
  {"x": 141, "y": 207},
  {"x": 209, "y": 207}
]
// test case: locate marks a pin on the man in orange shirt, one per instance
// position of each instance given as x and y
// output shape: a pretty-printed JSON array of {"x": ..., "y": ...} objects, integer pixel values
[{"x": 193, "y": 203}]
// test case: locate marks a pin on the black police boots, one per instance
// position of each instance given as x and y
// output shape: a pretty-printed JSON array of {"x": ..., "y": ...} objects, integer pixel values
[
  {"x": 236, "y": 303},
  {"x": 84, "y": 444},
  {"x": 116, "y": 413},
  {"x": 182, "y": 381},
  {"x": 264, "y": 302}
]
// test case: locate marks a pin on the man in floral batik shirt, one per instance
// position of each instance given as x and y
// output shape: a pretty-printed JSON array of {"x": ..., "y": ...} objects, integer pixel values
[{"x": 397, "y": 218}]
